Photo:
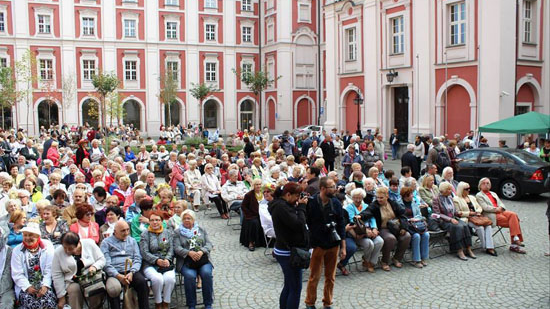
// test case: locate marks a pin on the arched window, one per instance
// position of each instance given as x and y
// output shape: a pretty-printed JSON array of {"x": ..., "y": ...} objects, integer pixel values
[
  {"x": 6, "y": 117},
  {"x": 132, "y": 114},
  {"x": 172, "y": 113},
  {"x": 48, "y": 114},
  {"x": 211, "y": 114},
  {"x": 90, "y": 113},
  {"x": 247, "y": 114}
]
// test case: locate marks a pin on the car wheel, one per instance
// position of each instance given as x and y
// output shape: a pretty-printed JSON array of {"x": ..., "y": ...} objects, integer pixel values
[{"x": 510, "y": 190}]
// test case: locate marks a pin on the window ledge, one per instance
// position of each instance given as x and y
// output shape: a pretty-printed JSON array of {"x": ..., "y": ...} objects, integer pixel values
[
  {"x": 350, "y": 60},
  {"x": 456, "y": 46},
  {"x": 529, "y": 43},
  {"x": 397, "y": 54}
]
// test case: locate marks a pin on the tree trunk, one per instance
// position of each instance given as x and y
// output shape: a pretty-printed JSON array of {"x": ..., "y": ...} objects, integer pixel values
[
  {"x": 3, "y": 124},
  {"x": 169, "y": 115}
]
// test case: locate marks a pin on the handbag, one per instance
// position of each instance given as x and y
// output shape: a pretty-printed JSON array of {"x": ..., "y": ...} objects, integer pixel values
[
  {"x": 299, "y": 257},
  {"x": 480, "y": 220},
  {"x": 189, "y": 262},
  {"x": 162, "y": 270},
  {"x": 418, "y": 226},
  {"x": 92, "y": 284},
  {"x": 394, "y": 225},
  {"x": 359, "y": 227}
]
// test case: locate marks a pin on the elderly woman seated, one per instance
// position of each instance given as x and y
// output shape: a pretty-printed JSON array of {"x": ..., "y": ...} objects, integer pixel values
[
  {"x": 192, "y": 180},
  {"x": 469, "y": 211},
  {"x": 192, "y": 248},
  {"x": 51, "y": 226},
  {"x": 370, "y": 241},
  {"x": 460, "y": 237},
  {"x": 73, "y": 260},
  {"x": 251, "y": 232},
  {"x": 31, "y": 264},
  {"x": 7, "y": 296},
  {"x": 418, "y": 227},
  {"x": 428, "y": 191},
  {"x": 85, "y": 227}
]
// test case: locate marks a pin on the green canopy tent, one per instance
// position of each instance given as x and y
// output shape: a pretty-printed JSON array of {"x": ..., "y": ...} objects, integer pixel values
[{"x": 532, "y": 122}]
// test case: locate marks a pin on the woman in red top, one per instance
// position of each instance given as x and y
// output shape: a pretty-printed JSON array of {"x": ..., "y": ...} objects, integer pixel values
[
  {"x": 53, "y": 154},
  {"x": 85, "y": 227}
]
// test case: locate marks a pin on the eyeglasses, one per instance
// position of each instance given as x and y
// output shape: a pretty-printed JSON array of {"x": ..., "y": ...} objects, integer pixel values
[
  {"x": 466, "y": 189},
  {"x": 89, "y": 213}
]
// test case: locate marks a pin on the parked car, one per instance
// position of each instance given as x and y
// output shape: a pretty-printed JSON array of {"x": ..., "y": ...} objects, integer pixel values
[
  {"x": 307, "y": 130},
  {"x": 513, "y": 172}
]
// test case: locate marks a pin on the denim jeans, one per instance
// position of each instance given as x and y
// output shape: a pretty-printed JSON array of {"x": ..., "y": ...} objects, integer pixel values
[
  {"x": 420, "y": 244},
  {"x": 292, "y": 288},
  {"x": 181, "y": 188},
  {"x": 190, "y": 284},
  {"x": 351, "y": 248},
  {"x": 394, "y": 149}
]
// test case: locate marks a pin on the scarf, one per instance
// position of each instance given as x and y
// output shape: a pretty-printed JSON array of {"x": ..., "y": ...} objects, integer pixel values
[
  {"x": 259, "y": 196},
  {"x": 159, "y": 231},
  {"x": 189, "y": 233},
  {"x": 35, "y": 245}
]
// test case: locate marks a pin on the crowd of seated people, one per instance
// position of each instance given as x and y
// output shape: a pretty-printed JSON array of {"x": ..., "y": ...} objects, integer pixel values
[{"x": 67, "y": 214}]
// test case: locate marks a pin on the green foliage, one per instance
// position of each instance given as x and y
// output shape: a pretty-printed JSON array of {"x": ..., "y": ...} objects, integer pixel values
[
  {"x": 257, "y": 81},
  {"x": 26, "y": 73},
  {"x": 8, "y": 92},
  {"x": 114, "y": 106},
  {"x": 195, "y": 141},
  {"x": 201, "y": 91},
  {"x": 169, "y": 93},
  {"x": 105, "y": 84}
]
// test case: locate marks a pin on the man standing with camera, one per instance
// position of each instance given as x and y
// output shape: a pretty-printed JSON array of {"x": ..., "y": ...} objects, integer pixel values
[{"x": 325, "y": 219}]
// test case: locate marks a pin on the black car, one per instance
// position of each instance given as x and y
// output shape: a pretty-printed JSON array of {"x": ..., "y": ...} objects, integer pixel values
[{"x": 513, "y": 172}]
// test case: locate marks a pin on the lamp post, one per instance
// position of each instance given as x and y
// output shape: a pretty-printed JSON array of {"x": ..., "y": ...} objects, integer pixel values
[
  {"x": 391, "y": 75},
  {"x": 358, "y": 101}
]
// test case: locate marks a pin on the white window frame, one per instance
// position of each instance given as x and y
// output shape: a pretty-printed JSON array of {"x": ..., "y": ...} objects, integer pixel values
[
  {"x": 246, "y": 37},
  {"x": 459, "y": 26},
  {"x": 210, "y": 36},
  {"x": 45, "y": 25},
  {"x": 3, "y": 62},
  {"x": 397, "y": 42},
  {"x": 304, "y": 19},
  {"x": 171, "y": 34},
  {"x": 210, "y": 76},
  {"x": 210, "y": 4},
  {"x": 3, "y": 16},
  {"x": 88, "y": 72},
  {"x": 130, "y": 73},
  {"x": 171, "y": 2},
  {"x": 127, "y": 32},
  {"x": 169, "y": 70},
  {"x": 529, "y": 21},
  {"x": 270, "y": 30},
  {"x": 47, "y": 73},
  {"x": 247, "y": 6},
  {"x": 351, "y": 45},
  {"x": 86, "y": 28}
]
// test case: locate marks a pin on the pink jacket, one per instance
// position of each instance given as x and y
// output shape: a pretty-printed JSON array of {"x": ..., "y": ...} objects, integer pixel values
[
  {"x": 93, "y": 231},
  {"x": 177, "y": 175}
]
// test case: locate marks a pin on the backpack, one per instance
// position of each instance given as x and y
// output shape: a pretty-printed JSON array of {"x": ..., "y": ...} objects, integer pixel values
[{"x": 442, "y": 160}]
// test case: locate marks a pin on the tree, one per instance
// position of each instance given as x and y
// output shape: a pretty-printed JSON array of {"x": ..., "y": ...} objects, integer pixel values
[
  {"x": 68, "y": 91},
  {"x": 8, "y": 92},
  {"x": 169, "y": 93},
  {"x": 256, "y": 82},
  {"x": 50, "y": 93},
  {"x": 115, "y": 106},
  {"x": 200, "y": 92},
  {"x": 26, "y": 74},
  {"x": 105, "y": 85}
]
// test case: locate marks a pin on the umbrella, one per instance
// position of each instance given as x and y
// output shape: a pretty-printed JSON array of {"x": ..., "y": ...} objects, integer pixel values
[{"x": 532, "y": 122}]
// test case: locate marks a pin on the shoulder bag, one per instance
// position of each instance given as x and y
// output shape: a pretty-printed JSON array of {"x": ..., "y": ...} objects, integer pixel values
[
  {"x": 394, "y": 225},
  {"x": 480, "y": 220},
  {"x": 300, "y": 256},
  {"x": 419, "y": 226}
]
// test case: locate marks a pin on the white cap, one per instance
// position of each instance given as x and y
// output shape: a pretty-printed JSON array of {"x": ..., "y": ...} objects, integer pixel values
[{"x": 32, "y": 227}]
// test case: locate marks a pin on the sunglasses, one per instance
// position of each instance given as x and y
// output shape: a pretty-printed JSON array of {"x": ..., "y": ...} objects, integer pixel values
[
  {"x": 89, "y": 213},
  {"x": 466, "y": 189}
]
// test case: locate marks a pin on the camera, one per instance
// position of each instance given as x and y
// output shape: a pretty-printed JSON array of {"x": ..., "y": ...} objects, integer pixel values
[{"x": 334, "y": 237}]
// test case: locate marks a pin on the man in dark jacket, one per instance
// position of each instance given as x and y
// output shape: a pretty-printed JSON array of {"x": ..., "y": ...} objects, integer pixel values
[
  {"x": 346, "y": 140},
  {"x": 312, "y": 180},
  {"x": 327, "y": 226},
  {"x": 329, "y": 153},
  {"x": 409, "y": 159},
  {"x": 29, "y": 152}
]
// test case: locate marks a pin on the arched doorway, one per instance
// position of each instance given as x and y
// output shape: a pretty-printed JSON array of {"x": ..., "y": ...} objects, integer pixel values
[
  {"x": 353, "y": 116},
  {"x": 132, "y": 114},
  {"x": 458, "y": 111},
  {"x": 304, "y": 113},
  {"x": 90, "y": 113},
  {"x": 211, "y": 114},
  {"x": 48, "y": 114},
  {"x": 172, "y": 113},
  {"x": 525, "y": 100},
  {"x": 271, "y": 116},
  {"x": 246, "y": 114},
  {"x": 6, "y": 117}
]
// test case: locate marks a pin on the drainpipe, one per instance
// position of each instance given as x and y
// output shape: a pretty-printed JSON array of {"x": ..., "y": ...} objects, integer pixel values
[
  {"x": 260, "y": 61},
  {"x": 319, "y": 80}
]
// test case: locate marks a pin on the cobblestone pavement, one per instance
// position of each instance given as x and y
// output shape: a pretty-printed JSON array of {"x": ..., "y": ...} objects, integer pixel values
[{"x": 244, "y": 279}]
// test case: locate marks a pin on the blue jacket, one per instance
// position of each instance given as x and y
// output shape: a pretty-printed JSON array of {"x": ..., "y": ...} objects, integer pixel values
[
  {"x": 116, "y": 252},
  {"x": 14, "y": 238},
  {"x": 129, "y": 156}
]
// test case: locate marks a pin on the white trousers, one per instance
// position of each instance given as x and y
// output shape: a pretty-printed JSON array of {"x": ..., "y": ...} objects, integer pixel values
[{"x": 161, "y": 284}]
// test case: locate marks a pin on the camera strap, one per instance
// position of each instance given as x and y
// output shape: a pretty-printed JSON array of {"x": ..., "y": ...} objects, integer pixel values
[{"x": 326, "y": 210}]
